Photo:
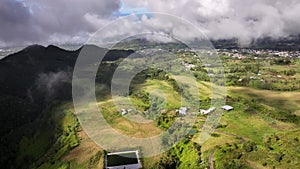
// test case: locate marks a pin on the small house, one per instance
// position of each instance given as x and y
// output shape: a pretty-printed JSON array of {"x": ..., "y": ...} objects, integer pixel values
[
  {"x": 227, "y": 108},
  {"x": 123, "y": 112},
  {"x": 210, "y": 110},
  {"x": 182, "y": 111}
]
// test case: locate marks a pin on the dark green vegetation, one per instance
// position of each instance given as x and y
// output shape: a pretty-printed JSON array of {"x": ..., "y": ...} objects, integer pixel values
[
  {"x": 38, "y": 125},
  {"x": 41, "y": 142},
  {"x": 185, "y": 154},
  {"x": 32, "y": 124}
]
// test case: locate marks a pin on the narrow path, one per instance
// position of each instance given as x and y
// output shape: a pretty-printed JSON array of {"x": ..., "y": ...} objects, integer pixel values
[
  {"x": 212, "y": 153},
  {"x": 211, "y": 158}
]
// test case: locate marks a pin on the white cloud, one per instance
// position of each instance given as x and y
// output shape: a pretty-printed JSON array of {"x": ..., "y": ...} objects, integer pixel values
[
  {"x": 245, "y": 20},
  {"x": 67, "y": 21},
  {"x": 41, "y": 21}
]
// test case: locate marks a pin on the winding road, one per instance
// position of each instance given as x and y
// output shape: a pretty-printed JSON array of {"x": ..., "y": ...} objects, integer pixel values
[{"x": 212, "y": 153}]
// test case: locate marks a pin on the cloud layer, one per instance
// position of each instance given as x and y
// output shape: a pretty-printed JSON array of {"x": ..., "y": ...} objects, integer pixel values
[
  {"x": 65, "y": 21},
  {"x": 55, "y": 21},
  {"x": 245, "y": 20}
]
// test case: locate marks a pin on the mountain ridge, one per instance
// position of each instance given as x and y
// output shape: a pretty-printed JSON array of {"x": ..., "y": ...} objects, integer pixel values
[{"x": 32, "y": 82}]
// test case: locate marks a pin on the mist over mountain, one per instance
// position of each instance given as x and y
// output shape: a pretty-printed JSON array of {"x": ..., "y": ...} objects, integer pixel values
[
  {"x": 288, "y": 43},
  {"x": 35, "y": 63}
]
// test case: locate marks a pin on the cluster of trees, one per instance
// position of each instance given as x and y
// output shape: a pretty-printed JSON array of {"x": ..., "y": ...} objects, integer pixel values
[
  {"x": 164, "y": 121},
  {"x": 232, "y": 155},
  {"x": 153, "y": 73},
  {"x": 201, "y": 74},
  {"x": 152, "y": 107},
  {"x": 185, "y": 154},
  {"x": 289, "y": 72},
  {"x": 144, "y": 97},
  {"x": 281, "y": 61},
  {"x": 244, "y": 67},
  {"x": 156, "y": 107}
]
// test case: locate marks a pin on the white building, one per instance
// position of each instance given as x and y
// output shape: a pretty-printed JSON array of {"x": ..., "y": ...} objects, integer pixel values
[
  {"x": 182, "y": 111},
  {"x": 227, "y": 108},
  {"x": 123, "y": 112},
  {"x": 210, "y": 110}
]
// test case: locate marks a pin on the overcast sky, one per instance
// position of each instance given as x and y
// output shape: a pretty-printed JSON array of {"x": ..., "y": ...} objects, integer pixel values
[{"x": 24, "y": 22}]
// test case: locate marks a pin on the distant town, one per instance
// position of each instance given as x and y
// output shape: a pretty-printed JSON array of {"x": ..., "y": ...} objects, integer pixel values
[{"x": 266, "y": 53}]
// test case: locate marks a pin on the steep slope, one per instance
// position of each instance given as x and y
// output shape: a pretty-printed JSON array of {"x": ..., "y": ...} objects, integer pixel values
[{"x": 33, "y": 84}]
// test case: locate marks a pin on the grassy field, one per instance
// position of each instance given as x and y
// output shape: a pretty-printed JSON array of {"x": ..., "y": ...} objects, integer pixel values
[
  {"x": 261, "y": 132},
  {"x": 164, "y": 90},
  {"x": 251, "y": 124},
  {"x": 124, "y": 125},
  {"x": 287, "y": 101},
  {"x": 245, "y": 124}
]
